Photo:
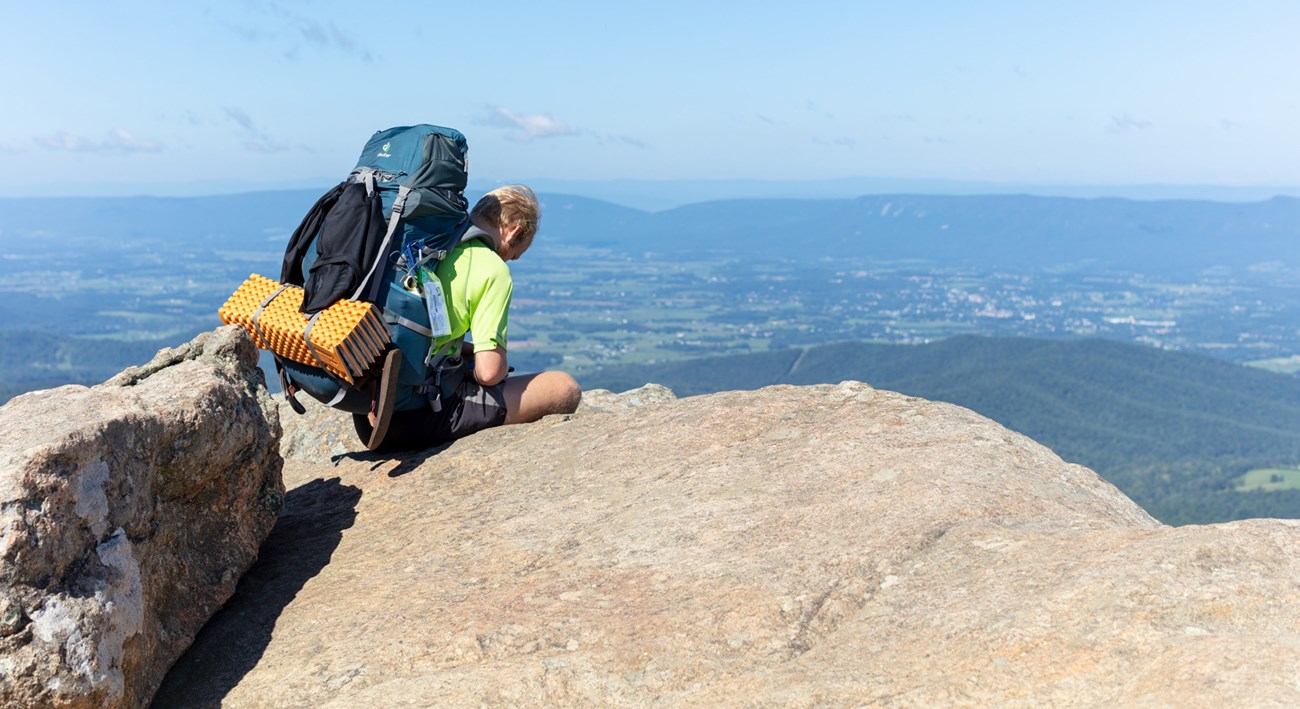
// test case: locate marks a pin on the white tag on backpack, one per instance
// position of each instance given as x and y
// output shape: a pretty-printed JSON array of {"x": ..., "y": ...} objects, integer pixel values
[{"x": 437, "y": 305}]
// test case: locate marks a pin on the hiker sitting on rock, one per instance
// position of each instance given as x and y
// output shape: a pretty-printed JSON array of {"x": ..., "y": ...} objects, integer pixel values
[{"x": 477, "y": 284}]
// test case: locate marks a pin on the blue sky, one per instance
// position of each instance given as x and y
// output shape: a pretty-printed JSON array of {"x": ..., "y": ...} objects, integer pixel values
[{"x": 125, "y": 96}]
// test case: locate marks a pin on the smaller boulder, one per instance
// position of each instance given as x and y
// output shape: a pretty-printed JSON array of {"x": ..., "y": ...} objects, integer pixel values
[{"x": 606, "y": 400}]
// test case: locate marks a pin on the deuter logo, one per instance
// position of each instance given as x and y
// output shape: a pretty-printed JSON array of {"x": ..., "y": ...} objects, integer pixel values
[{"x": 383, "y": 152}]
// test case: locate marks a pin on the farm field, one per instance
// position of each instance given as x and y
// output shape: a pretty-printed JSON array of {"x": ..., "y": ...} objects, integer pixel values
[{"x": 1269, "y": 479}]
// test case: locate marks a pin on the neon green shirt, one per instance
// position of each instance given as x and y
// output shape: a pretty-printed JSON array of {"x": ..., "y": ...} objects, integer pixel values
[{"x": 478, "y": 285}]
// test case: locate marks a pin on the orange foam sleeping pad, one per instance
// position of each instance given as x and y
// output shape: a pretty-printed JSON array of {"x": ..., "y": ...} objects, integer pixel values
[{"x": 349, "y": 336}]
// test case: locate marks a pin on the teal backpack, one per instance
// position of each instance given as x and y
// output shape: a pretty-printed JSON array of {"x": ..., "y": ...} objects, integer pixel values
[{"x": 402, "y": 207}]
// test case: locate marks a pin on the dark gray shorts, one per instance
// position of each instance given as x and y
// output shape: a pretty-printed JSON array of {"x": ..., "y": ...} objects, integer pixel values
[{"x": 471, "y": 408}]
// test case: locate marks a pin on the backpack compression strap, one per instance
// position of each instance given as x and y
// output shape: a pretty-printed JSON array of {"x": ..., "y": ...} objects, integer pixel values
[
  {"x": 285, "y": 384},
  {"x": 413, "y": 326},
  {"x": 258, "y": 313},
  {"x": 306, "y": 337}
]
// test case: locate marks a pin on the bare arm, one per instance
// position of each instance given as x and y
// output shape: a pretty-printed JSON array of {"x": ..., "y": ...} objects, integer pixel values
[{"x": 490, "y": 366}]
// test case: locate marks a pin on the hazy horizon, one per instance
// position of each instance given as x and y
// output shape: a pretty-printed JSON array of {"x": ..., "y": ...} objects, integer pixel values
[{"x": 654, "y": 195}]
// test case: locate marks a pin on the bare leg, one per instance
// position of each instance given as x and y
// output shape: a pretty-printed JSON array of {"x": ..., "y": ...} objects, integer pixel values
[{"x": 533, "y": 396}]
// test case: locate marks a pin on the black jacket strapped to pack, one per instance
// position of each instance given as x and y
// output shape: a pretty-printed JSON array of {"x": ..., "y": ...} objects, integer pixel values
[{"x": 347, "y": 226}]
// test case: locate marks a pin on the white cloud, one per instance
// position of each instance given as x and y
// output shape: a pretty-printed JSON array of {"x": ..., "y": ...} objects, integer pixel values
[
  {"x": 64, "y": 140},
  {"x": 526, "y": 127},
  {"x": 117, "y": 140}
]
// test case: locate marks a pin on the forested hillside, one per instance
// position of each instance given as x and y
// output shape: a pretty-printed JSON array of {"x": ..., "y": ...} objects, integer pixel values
[
  {"x": 1173, "y": 430},
  {"x": 31, "y": 360}
]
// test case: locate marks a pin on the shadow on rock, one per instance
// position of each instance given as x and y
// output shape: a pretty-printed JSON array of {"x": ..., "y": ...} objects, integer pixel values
[
  {"x": 406, "y": 461},
  {"x": 411, "y": 461},
  {"x": 300, "y": 545}
]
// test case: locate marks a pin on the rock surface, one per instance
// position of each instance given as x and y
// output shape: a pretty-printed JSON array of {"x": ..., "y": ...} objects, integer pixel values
[
  {"x": 817, "y": 546},
  {"x": 322, "y": 433},
  {"x": 128, "y": 512}
]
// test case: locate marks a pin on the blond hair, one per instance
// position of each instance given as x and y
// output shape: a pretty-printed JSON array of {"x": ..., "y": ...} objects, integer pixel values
[{"x": 511, "y": 206}]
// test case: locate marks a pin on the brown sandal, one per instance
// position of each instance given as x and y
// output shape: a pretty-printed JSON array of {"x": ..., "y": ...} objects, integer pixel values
[{"x": 381, "y": 405}]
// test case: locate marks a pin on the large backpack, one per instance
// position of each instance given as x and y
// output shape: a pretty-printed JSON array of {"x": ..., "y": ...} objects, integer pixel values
[{"x": 402, "y": 207}]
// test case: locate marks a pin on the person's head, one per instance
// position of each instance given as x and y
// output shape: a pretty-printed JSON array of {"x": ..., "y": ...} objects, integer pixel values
[{"x": 513, "y": 210}]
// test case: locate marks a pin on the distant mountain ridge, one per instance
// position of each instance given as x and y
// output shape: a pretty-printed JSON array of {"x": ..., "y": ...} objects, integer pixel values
[
  {"x": 1172, "y": 429},
  {"x": 985, "y": 231},
  {"x": 101, "y": 223},
  {"x": 660, "y": 194},
  {"x": 997, "y": 231}
]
